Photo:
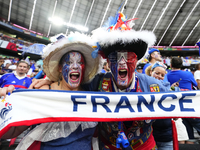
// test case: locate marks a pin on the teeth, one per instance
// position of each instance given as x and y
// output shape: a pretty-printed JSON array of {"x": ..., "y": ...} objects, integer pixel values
[
  {"x": 123, "y": 70},
  {"x": 74, "y": 73}
]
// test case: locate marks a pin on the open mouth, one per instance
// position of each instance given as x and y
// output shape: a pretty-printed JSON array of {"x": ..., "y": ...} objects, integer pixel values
[
  {"x": 122, "y": 73},
  {"x": 74, "y": 76}
]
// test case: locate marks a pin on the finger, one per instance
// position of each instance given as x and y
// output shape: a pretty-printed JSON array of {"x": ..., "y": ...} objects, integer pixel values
[
  {"x": 41, "y": 83},
  {"x": 3, "y": 92},
  {"x": 10, "y": 89},
  {"x": 33, "y": 84}
]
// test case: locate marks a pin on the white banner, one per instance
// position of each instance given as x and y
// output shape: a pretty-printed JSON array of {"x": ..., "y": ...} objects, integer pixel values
[{"x": 28, "y": 107}]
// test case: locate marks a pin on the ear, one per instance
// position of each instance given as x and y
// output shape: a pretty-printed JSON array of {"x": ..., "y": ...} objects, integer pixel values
[
  {"x": 150, "y": 72},
  {"x": 108, "y": 63},
  {"x": 60, "y": 68}
]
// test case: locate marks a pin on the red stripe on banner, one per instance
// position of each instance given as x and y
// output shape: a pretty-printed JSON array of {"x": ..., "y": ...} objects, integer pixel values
[
  {"x": 175, "y": 136},
  {"x": 60, "y": 119},
  {"x": 11, "y": 46},
  {"x": 18, "y": 86}
]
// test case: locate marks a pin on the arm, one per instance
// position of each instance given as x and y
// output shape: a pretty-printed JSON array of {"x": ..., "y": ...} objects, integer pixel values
[
  {"x": 14, "y": 132},
  {"x": 38, "y": 83},
  {"x": 198, "y": 83}
]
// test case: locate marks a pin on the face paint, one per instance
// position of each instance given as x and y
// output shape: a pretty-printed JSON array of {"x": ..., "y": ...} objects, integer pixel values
[
  {"x": 73, "y": 69},
  {"x": 122, "y": 64},
  {"x": 157, "y": 56}
]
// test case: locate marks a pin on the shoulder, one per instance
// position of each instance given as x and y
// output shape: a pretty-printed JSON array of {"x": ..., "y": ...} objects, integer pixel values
[{"x": 7, "y": 74}]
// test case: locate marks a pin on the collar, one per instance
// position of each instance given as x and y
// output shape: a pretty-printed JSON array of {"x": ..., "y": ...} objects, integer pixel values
[
  {"x": 18, "y": 77},
  {"x": 132, "y": 86}
]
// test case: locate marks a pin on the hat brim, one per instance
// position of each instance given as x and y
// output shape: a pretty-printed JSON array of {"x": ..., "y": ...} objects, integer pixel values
[
  {"x": 51, "y": 62},
  {"x": 139, "y": 47}
]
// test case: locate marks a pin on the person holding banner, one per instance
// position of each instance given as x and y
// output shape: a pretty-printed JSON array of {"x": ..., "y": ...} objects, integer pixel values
[
  {"x": 124, "y": 48},
  {"x": 69, "y": 64}
]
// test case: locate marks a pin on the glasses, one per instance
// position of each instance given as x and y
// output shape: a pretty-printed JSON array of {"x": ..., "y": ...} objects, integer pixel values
[{"x": 117, "y": 55}]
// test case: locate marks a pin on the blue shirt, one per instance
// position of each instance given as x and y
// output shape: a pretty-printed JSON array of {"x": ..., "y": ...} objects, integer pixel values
[
  {"x": 145, "y": 66},
  {"x": 187, "y": 79},
  {"x": 11, "y": 79}
]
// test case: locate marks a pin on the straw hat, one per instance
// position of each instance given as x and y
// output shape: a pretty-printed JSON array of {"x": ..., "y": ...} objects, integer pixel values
[{"x": 74, "y": 42}]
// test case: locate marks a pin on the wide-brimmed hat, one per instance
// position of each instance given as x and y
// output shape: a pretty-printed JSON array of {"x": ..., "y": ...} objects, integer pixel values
[
  {"x": 119, "y": 35},
  {"x": 74, "y": 42}
]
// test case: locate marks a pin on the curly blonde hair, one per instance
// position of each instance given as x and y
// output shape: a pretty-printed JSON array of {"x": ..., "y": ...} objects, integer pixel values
[{"x": 148, "y": 70}]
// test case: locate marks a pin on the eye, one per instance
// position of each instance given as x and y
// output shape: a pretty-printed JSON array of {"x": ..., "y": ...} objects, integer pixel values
[
  {"x": 68, "y": 62},
  {"x": 80, "y": 63}
]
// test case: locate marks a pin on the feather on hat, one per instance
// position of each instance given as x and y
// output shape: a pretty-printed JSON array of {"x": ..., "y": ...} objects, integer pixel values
[{"x": 119, "y": 35}]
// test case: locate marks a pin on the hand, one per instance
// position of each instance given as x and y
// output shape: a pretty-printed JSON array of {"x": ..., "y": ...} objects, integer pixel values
[
  {"x": 175, "y": 84},
  {"x": 5, "y": 90},
  {"x": 38, "y": 83}
]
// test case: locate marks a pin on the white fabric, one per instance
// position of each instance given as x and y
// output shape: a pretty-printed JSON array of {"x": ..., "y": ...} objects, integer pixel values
[
  {"x": 197, "y": 75},
  {"x": 42, "y": 106},
  {"x": 181, "y": 130}
]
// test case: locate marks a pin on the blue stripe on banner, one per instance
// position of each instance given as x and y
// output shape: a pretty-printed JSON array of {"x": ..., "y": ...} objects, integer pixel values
[
  {"x": 20, "y": 30},
  {"x": 32, "y": 34}
]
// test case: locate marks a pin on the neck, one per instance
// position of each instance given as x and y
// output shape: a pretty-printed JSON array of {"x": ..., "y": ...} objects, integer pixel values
[
  {"x": 152, "y": 61},
  {"x": 65, "y": 86},
  {"x": 20, "y": 75},
  {"x": 176, "y": 68}
]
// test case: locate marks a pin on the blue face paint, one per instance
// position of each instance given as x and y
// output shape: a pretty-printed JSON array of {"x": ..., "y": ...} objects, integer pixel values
[{"x": 65, "y": 69}]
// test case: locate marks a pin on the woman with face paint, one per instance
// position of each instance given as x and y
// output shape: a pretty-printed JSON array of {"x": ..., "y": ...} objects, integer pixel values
[{"x": 69, "y": 64}]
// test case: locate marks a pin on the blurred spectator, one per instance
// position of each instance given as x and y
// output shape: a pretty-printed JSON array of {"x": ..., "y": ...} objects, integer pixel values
[
  {"x": 197, "y": 75},
  {"x": 105, "y": 67},
  {"x": 187, "y": 78},
  {"x": 18, "y": 78},
  {"x": 187, "y": 81},
  {"x": 1, "y": 66},
  {"x": 7, "y": 60},
  {"x": 139, "y": 68},
  {"x": 154, "y": 55},
  {"x": 6, "y": 68}
]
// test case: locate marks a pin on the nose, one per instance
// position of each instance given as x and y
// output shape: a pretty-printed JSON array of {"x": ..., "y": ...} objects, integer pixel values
[
  {"x": 75, "y": 66},
  {"x": 122, "y": 62}
]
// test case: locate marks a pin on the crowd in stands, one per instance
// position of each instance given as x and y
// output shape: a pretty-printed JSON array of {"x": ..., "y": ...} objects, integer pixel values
[{"x": 14, "y": 40}]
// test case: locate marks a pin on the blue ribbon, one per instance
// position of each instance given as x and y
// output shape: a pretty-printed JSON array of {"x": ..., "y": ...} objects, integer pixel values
[
  {"x": 199, "y": 47},
  {"x": 95, "y": 52}
]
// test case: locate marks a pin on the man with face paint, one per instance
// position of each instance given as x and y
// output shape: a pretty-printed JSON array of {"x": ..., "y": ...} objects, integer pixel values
[
  {"x": 124, "y": 47},
  {"x": 154, "y": 55}
]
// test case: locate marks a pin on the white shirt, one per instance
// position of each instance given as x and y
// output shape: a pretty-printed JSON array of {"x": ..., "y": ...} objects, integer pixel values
[{"x": 197, "y": 75}]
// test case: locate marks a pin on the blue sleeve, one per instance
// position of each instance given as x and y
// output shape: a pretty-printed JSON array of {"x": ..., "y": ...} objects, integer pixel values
[
  {"x": 1, "y": 80},
  {"x": 146, "y": 81},
  {"x": 165, "y": 78},
  {"x": 145, "y": 66}
]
